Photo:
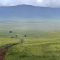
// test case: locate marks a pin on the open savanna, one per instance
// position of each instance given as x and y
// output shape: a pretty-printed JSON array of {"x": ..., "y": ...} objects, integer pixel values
[{"x": 33, "y": 45}]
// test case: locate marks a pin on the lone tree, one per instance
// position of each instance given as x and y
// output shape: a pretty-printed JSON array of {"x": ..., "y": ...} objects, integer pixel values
[
  {"x": 10, "y": 31},
  {"x": 16, "y": 36},
  {"x": 25, "y": 35}
]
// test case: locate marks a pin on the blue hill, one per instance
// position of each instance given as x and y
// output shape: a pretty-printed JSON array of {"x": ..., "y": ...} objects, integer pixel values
[{"x": 28, "y": 11}]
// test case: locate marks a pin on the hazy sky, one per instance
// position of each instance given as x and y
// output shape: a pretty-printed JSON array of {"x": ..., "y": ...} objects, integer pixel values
[{"x": 43, "y": 3}]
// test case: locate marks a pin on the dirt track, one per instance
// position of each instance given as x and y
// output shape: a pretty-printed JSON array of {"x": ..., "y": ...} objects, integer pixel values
[{"x": 4, "y": 50}]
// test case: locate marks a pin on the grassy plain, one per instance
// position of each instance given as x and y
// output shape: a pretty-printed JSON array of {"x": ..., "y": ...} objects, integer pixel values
[{"x": 36, "y": 45}]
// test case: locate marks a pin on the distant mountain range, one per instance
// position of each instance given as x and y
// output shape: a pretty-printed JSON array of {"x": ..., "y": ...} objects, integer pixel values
[
  {"x": 28, "y": 11},
  {"x": 10, "y": 18}
]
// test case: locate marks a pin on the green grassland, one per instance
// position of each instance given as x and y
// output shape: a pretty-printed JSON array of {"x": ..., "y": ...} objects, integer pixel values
[{"x": 36, "y": 45}]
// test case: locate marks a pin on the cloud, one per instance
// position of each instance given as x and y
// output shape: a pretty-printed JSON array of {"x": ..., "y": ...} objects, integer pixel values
[{"x": 43, "y": 3}]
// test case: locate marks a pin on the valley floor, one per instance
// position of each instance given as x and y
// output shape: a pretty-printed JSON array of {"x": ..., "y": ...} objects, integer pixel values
[{"x": 32, "y": 45}]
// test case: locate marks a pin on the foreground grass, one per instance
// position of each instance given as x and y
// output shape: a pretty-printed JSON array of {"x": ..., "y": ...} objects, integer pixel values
[
  {"x": 48, "y": 51},
  {"x": 36, "y": 46}
]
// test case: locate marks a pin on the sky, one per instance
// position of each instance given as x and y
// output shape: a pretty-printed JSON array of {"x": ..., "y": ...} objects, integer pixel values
[{"x": 41, "y": 3}]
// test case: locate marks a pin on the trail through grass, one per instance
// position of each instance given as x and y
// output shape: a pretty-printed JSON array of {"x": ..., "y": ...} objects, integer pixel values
[{"x": 36, "y": 46}]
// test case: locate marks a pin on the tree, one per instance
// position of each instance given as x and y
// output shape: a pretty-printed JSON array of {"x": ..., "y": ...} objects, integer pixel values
[
  {"x": 10, "y": 31},
  {"x": 16, "y": 36},
  {"x": 25, "y": 35}
]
